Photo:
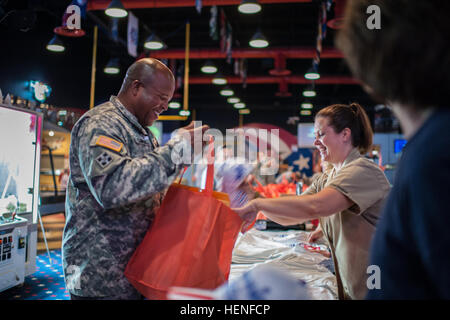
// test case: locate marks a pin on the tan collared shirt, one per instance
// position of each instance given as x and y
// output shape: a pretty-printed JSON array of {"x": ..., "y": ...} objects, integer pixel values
[{"x": 349, "y": 232}]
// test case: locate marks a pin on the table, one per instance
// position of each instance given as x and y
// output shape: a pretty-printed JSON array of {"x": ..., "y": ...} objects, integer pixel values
[{"x": 280, "y": 249}]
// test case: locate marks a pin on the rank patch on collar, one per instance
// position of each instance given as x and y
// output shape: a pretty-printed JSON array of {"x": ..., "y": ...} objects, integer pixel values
[
  {"x": 104, "y": 159},
  {"x": 109, "y": 143}
]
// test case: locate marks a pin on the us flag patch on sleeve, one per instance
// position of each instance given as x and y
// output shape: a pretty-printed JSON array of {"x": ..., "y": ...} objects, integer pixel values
[{"x": 109, "y": 143}]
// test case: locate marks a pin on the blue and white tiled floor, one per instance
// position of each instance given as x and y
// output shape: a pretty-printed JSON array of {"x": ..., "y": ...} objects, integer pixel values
[{"x": 47, "y": 283}]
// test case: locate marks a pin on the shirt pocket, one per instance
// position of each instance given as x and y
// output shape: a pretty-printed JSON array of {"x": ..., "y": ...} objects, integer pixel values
[{"x": 140, "y": 147}]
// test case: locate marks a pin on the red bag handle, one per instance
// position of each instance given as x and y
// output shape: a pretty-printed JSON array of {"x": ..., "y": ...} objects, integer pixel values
[
  {"x": 210, "y": 168},
  {"x": 182, "y": 174}
]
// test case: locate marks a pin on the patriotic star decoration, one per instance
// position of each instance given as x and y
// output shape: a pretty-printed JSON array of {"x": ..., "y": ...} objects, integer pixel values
[{"x": 302, "y": 162}]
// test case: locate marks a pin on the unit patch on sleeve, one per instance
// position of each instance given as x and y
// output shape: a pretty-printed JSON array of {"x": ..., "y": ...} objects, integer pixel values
[
  {"x": 104, "y": 159},
  {"x": 109, "y": 143}
]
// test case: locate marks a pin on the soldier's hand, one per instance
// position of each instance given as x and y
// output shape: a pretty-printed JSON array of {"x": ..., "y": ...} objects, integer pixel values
[{"x": 194, "y": 133}]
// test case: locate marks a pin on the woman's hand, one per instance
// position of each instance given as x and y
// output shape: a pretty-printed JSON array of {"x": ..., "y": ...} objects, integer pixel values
[
  {"x": 315, "y": 235},
  {"x": 246, "y": 187},
  {"x": 247, "y": 213}
]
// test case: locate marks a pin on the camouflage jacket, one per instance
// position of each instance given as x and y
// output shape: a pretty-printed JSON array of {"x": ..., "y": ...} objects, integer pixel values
[{"x": 118, "y": 176}]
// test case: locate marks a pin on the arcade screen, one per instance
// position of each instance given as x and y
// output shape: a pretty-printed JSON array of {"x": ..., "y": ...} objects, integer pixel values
[
  {"x": 399, "y": 144},
  {"x": 19, "y": 160}
]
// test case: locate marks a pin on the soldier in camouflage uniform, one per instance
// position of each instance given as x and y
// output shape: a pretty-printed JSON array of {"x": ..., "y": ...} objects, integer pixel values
[{"x": 118, "y": 176}]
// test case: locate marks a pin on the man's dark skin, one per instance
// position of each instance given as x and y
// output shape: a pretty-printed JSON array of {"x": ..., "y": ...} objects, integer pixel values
[{"x": 146, "y": 91}]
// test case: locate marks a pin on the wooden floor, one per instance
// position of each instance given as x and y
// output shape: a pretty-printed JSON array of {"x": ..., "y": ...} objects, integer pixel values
[{"x": 53, "y": 226}]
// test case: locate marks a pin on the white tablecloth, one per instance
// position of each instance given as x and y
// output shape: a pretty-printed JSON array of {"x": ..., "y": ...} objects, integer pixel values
[{"x": 280, "y": 249}]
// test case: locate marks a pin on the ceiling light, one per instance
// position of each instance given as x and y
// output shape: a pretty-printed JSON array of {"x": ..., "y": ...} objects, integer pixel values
[
  {"x": 249, "y": 6},
  {"x": 305, "y": 112},
  {"x": 258, "y": 40},
  {"x": 239, "y": 105},
  {"x": 227, "y": 92},
  {"x": 174, "y": 105},
  {"x": 153, "y": 42},
  {"x": 244, "y": 111},
  {"x": 51, "y": 133},
  {"x": 116, "y": 9},
  {"x": 55, "y": 45},
  {"x": 209, "y": 67},
  {"x": 312, "y": 74},
  {"x": 112, "y": 67},
  {"x": 307, "y": 105},
  {"x": 184, "y": 113},
  {"x": 309, "y": 93},
  {"x": 233, "y": 100},
  {"x": 219, "y": 79}
]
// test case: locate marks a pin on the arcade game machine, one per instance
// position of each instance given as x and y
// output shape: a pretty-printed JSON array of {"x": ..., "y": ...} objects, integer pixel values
[{"x": 20, "y": 149}]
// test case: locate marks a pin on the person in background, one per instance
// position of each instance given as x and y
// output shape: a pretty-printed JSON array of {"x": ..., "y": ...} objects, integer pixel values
[
  {"x": 347, "y": 198},
  {"x": 410, "y": 247},
  {"x": 118, "y": 178},
  {"x": 63, "y": 179}
]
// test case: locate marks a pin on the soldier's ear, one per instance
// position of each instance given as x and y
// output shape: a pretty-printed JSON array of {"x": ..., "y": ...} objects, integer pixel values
[{"x": 134, "y": 87}]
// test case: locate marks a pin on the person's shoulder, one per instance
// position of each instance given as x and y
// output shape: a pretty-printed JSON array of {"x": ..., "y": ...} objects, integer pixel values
[
  {"x": 434, "y": 131},
  {"x": 104, "y": 113},
  {"x": 364, "y": 164},
  {"x": 428, "y": 149},
  {"x": 365, "y": 169},
  {"x": 102, "y": 120},
  {"x": 103, "y": 116}
]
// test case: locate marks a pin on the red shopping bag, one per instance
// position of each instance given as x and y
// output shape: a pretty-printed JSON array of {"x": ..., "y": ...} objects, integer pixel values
[{"x": 189, "y": 244}]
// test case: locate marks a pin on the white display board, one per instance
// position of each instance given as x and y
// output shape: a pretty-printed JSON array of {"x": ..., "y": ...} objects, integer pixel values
[
  {"x": 305, "y": 135},
  {"x": 20, "y": 145}
]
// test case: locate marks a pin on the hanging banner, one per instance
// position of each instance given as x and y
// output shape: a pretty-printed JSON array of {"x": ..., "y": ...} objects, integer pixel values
[
  {"x": 115, "y": 29},
  {"x": 213, "y": 33},
  {"x": 198, "y": 6},
  {"x": 229, "y": 41},
  {"x": 133, "y": 32},
  {"x": 243, "y": 72},
  {"x": 223, "y": 31},
  {"x": 82, "y": 4}
]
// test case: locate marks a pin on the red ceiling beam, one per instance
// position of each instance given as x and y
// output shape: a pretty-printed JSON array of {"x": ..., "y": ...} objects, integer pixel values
[
  {"x": 141, "y": 4},
  {"x": 343, "y": 80},
  {"x": 288, "y": 53}
]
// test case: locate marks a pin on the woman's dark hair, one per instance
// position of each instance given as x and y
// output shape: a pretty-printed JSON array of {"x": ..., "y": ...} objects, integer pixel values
[
  {"x": 407, "y": 59},
  {"x": 351, "y": 116}
]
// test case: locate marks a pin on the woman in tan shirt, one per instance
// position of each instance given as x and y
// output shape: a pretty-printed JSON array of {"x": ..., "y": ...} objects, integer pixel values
[{"x": 347, "y": 198}]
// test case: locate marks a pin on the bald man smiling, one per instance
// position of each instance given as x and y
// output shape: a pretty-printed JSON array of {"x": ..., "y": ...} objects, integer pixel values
[{"x": 118, "y": 178}]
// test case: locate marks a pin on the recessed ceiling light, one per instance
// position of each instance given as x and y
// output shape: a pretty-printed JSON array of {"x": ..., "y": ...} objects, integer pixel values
[
  {"x": 259, "y": 40},
  {"x": 233, "y": 100},
  {"x": 116, "y": 9},
  {"x": 249, "y": 6},
  {"x": 309, "y": 93},
  {"x": 184, "y": 113},
  {"x": 174, "y": 105},
  {"x": 55, "y": 45},
  {"x": 239, "y": 105}
]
